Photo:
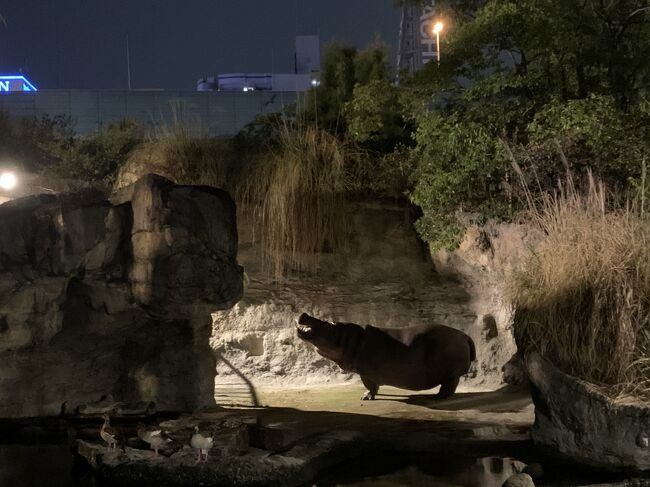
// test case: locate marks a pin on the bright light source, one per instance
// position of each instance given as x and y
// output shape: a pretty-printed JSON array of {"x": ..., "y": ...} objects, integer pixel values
[
  {"x": 7, "y": 181},
  {"x": 315, "y": 82},
  {"x": 437, "y": 28}
]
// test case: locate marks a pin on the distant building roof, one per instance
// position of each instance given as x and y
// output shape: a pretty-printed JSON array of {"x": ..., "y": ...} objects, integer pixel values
[{"x": 305, "y": 77}]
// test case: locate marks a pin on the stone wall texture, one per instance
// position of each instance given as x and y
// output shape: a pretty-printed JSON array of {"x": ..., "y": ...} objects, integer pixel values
[
  {"x": 576, "y": 420},
  {"x": 103, "y": 297}
]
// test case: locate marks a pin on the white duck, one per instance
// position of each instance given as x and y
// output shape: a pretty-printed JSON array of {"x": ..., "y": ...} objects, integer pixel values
[
  {"x": 201, "y": 444},
  {"x": 156, "y": 438},
  {"x": 108, "y": 433}
]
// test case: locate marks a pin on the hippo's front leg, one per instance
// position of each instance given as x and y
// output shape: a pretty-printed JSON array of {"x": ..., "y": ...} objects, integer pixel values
[{"x": 372, "y": 389}]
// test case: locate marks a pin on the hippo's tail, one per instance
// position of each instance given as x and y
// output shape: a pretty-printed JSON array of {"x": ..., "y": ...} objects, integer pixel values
[{"x": 472, "y": 350}]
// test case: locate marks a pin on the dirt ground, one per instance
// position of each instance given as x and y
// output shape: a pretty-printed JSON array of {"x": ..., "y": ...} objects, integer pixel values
[
  {"x": 414, "y": 419},
  {"x": 506, "y": 406},
  {"x": 514, "y": 404}
]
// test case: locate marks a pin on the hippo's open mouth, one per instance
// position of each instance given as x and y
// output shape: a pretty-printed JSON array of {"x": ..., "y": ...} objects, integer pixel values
[{"x": 304, "y": 331}]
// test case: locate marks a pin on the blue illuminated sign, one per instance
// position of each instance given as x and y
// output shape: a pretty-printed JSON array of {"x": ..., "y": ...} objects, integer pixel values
[{"x": 15, "y": 83}]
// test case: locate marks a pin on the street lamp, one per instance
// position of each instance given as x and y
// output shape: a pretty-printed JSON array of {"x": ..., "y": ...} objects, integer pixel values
[{"x": 437, "y": 28}]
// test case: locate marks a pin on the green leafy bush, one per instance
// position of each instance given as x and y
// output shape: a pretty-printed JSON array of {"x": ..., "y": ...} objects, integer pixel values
[
  {"x": 98, "y": 156},
  {"x": 593, "y": 133},
  {"x": 35, "y": 144},
  {"x": 374, "y": 116},
  {"x": 460, "y": 167},
  {"x": 50, "y": 145},
  {"x": 343, "y": 69}
]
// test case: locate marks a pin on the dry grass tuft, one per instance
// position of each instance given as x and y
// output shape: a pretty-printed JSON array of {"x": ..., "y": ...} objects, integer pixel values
[
  {"x": 182, "y": 152},
  {"x": 295, "y": 198},
  {"x": 292, "y": 193},
  {"x": 582, "y": 298}
]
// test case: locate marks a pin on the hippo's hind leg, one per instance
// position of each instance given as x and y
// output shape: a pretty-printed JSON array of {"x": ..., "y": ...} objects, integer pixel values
[
  {"x": 448, "y": 387},
  {"x": 372, "y": 389}
]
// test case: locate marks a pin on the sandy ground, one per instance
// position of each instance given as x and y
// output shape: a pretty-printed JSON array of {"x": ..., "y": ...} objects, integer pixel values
[
  {"x": 496, "y": 416},
  {"x": 514, "y": 406}
]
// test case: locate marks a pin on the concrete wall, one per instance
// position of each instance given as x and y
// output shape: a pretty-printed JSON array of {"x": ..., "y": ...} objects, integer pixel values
[{"x": 217, "y": 113}]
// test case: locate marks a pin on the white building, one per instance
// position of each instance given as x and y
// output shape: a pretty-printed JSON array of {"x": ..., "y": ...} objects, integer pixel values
[{"x": 306, "y": 74}]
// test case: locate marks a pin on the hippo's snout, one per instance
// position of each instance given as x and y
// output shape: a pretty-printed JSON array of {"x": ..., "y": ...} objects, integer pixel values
[
  {"x": 308, "y": 327},
  {"x": 307, "y": 320}
]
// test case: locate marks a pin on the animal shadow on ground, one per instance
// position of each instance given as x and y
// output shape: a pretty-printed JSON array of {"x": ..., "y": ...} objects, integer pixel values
[{"x": 508, "y": 399}]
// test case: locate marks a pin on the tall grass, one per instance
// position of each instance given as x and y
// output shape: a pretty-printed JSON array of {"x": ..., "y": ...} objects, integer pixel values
[
  {"x": 582, "y": 298},
  {"x": 183, "y": 152},
  {"x": 291, "y": 192},
  {"x": 294, "y": 196}
]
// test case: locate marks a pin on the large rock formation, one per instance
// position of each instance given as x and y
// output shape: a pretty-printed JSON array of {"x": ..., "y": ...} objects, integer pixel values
[
  {"x": 573, "y": 418},
  {"x": 385, "y": 277},
  {"x": 113, "y": 297}
]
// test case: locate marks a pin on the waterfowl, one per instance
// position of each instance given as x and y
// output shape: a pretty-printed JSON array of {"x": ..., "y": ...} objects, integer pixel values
[
  {"x": 201, "y": 444},
  {"x": 108, "y": 433},
  {"x": 156, "y": 438}
]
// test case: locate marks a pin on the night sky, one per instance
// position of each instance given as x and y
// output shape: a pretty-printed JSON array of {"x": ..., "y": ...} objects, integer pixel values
[{"x": 82, "y": 43}]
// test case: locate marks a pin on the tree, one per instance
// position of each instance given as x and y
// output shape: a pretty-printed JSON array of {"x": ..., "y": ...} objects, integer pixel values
[
  {"x": 323, "y": 104},
  {"x": 549, "y": 79},
  {"x": 343, "y": 69},
  {"x": 375, "y": 116},
  {"x": 546, "y": 48}
]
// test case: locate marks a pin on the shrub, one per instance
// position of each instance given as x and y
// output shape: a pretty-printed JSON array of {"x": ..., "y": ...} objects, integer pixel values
[
  {"x": 460, "y": 167},
  {"x": 378, "y": 175},
  {"x": 36, "y": 144},
  {"x": 591, "y": 133},
  {"x": 343, "y": 69},
  {"x": 581, "y": 297},
  {"x": 374, "y": 116},
  {"x": 99, "y": 155}
]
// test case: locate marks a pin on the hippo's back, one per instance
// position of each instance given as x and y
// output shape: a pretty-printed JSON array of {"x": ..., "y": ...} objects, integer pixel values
[
  {"x": 407, "y": 335},
  {"x": 415, "y": 357}
]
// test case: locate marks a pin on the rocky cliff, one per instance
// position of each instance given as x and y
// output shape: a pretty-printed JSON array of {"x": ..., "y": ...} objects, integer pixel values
[
  {"x": 113, "y": 297},
  {"x": 385, "y": 277}
]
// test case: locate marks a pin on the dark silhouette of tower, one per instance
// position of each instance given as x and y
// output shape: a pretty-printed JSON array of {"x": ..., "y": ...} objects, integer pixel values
[{"x": 417, "y": 44}]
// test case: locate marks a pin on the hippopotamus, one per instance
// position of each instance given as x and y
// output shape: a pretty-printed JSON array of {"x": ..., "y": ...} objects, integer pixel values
[{"x": 414, "y": 358}]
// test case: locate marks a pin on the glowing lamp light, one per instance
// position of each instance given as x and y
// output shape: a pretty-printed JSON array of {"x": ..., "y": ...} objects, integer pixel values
[
  {"x": 437, "y": 28},
  {"x": 7, "y": 181}
]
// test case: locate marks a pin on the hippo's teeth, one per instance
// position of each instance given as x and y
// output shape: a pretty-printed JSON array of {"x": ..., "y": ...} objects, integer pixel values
[{"x": 304, "y": 328}]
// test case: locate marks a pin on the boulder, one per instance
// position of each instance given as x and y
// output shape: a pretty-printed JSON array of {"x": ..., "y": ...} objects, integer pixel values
[
  {"x": 535, "y": 470},
  {"x": 513, "y": 371},
  {"x": 519, "y": 480},
  {"x": 102, "y": 297},
  {"x": 575, "y": 419}
]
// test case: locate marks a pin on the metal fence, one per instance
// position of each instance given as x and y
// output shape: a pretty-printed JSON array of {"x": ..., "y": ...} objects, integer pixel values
[{"x": 216, "y": 113}]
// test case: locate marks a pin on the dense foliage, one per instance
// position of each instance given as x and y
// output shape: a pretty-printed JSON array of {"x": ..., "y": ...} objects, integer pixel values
[
  {"x": 49, "y": 145},
  {"x": 545, "y": 84}
]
